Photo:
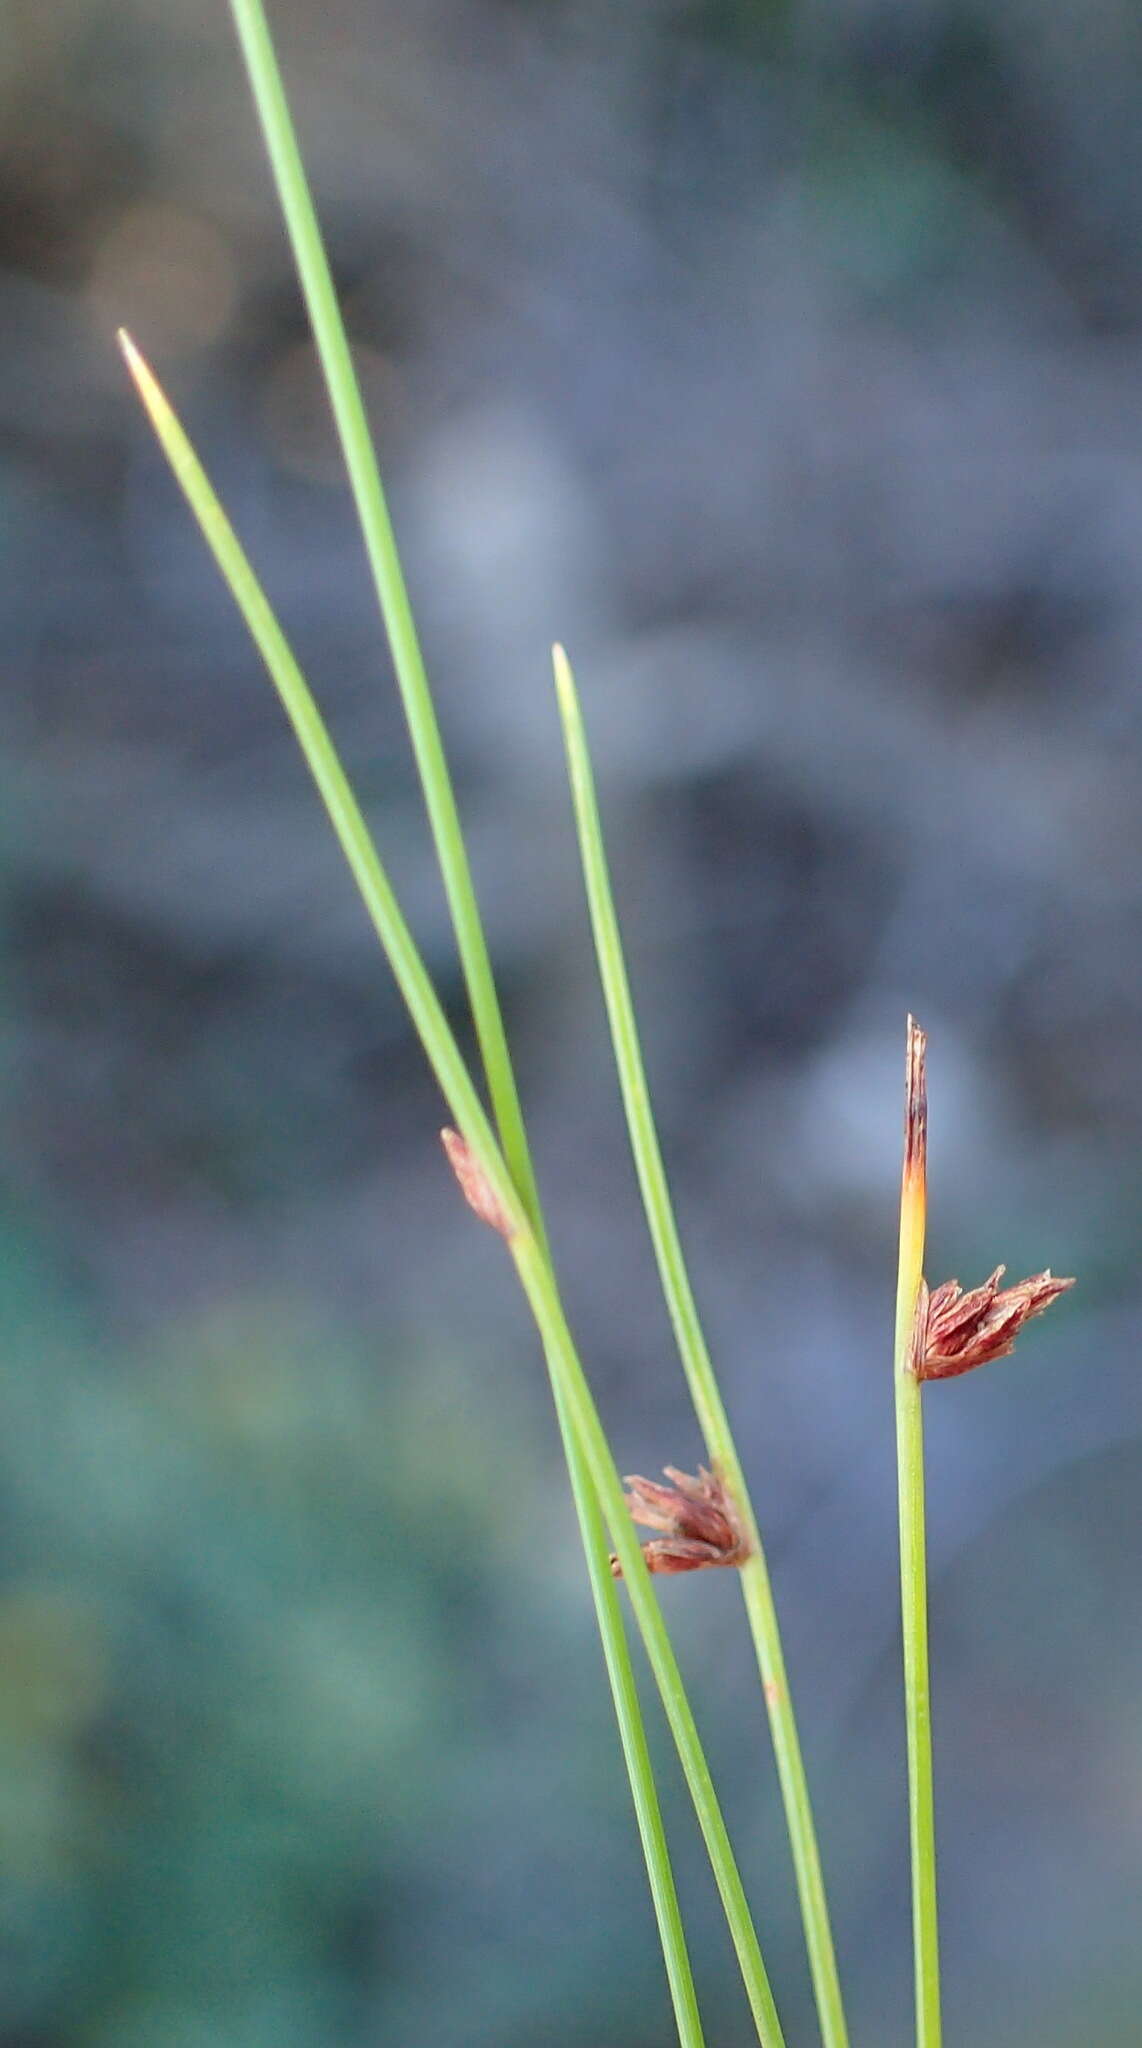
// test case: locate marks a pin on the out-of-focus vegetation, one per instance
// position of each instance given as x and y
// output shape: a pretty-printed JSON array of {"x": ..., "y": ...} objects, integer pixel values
[
  {"x": 274, "y": 1670},
  {"x": 784, "y": 361}
]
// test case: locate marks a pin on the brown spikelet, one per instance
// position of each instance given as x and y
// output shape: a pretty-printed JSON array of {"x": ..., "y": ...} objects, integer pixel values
[
  {"x": 696, "y": 1516},
  {"x": 957, "y": 1331},
  {"x": 474, "y": 1184}
]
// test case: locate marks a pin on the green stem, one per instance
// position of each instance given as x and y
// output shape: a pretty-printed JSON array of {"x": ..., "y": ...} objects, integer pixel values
[
  {"x": 913, "y": 1551},
  {"x": 392, "y": 595},
  {"x": 429, "y": 1021},
  {"x": 697, "y": 1363},
  {"x": 632, "y": 1728},
  {"x": 539, "y": 1286},
  {"x": 762, "y": 1612},
  {"x": 568, "y": 1379},
  {"x": 344, "y": 390},
  {"x": 918, "y": 1711}
]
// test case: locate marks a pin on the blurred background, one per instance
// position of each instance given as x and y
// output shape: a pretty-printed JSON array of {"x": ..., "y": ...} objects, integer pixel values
[{"x": 786, "y": 362}]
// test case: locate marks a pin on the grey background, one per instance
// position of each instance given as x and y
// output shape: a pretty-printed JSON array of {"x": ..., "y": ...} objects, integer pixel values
[{"x": 785, "y": 363}]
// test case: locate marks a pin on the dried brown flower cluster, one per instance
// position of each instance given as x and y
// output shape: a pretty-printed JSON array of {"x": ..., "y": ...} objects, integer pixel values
[
  {"x": 952, "y": 1331},
  {"x": 955, "y": 1331},
  {"x": 697, "y": 1519}
]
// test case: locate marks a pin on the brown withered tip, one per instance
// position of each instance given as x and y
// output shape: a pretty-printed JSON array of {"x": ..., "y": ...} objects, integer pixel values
[
  {"x": 955, "y": 1332},
  {"x": 475, "y": 1186},
  {"x": 915, "y": 1102},
  {"x": 700, "y": 1528}
]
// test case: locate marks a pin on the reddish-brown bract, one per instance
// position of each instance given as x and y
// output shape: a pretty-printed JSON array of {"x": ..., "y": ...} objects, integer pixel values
[
  {"x": 956, "y": 1331},
  {"x": 696, "y": 1516}
]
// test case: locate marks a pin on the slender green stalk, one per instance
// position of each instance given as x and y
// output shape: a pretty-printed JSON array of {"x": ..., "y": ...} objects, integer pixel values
[
  {"x": 392, "y": 595},
  {"x": 632, "y": 1728},
  {"x": 357, "y": 847},
  {"x": 539, "y": 1286},
  {"x": 344, "y": 390},
  {"x": 913, "y": 1552},
  {"x": 532, "y": 1263},
  {"x": 697, "y": 1362},
  {"x": 317, "y": 747}
]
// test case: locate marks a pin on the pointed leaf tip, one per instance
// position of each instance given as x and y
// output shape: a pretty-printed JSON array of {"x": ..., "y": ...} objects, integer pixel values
[{"x": 145, "y": 381}]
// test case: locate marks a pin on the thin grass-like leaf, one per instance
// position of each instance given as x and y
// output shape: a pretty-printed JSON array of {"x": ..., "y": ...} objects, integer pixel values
[
  {"x": 696, "y": 1360},
  {"x": 572, "y": 1393},
  {"x": 363, "y": 471}
]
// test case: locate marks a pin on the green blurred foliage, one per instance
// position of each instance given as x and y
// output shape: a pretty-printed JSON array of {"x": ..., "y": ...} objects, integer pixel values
[{"x": 291, "y": 1747}]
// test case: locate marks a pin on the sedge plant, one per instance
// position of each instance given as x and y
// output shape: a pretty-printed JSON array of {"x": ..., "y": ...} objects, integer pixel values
[
  {"x": 704, "y": 1521},
  {"x": 485, "y": 1172},
  {"x": 939, "y": 1335}
]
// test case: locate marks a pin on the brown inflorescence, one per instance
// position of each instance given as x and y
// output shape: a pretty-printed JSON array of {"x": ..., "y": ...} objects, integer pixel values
[
  {"x": 696, "y": 1516},
  {"x": 955, "y": 1331}
]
